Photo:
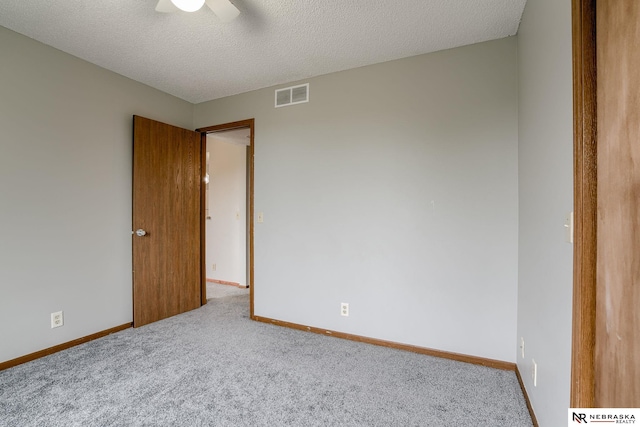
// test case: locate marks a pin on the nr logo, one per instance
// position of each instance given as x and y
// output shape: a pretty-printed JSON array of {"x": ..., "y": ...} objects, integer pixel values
[{"x": 580, "y": 418}]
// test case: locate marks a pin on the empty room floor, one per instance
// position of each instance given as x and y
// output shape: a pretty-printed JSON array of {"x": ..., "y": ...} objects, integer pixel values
[{"x": 215, "y": 367}]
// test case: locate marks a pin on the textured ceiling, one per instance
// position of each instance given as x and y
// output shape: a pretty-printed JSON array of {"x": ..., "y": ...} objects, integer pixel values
[{"x": 197, "y": 58}]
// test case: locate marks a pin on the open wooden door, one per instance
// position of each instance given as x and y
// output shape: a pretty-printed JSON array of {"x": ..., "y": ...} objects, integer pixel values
[
  {"x": 606, "y": 319},
  {"x": 167, "y": 215},
  {"x": 617, "y": 332}
]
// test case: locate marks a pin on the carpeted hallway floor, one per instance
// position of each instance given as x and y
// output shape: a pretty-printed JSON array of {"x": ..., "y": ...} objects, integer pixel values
[
  {"x": 215, "y": 367},
  {"x": 216, "y": 290}
]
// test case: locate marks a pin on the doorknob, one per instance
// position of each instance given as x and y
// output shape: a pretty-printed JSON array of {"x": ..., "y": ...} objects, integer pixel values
[{"x": 140, "y": 232}]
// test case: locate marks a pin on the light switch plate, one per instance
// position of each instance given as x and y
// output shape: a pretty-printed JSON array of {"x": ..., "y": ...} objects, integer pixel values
[{"x": 568, "y": 228}]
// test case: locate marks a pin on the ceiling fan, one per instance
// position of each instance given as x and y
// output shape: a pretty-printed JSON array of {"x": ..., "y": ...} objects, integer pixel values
[{"x": 224, "y": 9}]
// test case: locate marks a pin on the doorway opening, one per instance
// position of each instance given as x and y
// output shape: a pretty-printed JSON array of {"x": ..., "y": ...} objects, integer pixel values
[
  {"x": 227, "y": 206},
  {"x": 226, "y": 211}
]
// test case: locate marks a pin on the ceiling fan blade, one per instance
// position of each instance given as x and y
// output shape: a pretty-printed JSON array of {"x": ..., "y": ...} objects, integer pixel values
[
  {"x": 224, "y": 9},
  {"x": 166, "y": 6}
]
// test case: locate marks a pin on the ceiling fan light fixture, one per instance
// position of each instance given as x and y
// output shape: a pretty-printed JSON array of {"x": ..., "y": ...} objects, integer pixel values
[
  {"x": 224, "y": 9},
  {"x": 188, "y": 5}
]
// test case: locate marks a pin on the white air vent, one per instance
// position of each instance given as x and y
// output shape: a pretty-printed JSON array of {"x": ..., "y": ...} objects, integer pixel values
[{"x": 292, "y": 95}]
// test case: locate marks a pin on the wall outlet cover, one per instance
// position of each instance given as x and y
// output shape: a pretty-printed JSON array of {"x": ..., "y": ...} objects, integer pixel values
[
  {"x": 344, "y": 309},
  {"x": 57, "y": 319}
]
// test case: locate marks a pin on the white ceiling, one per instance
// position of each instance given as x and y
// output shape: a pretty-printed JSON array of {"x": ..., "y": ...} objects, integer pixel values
[{"x": 197, "y": 58}]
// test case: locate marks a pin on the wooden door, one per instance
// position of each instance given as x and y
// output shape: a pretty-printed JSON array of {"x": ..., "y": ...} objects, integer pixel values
[
  {"x": 617, "y": 338},
  {"x": 167, "y": 180}
]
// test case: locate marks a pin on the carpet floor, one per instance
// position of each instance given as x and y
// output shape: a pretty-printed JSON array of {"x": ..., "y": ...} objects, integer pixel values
[
  {"x": 217, "y": 290},
  {"x": 215, "y": 367}
]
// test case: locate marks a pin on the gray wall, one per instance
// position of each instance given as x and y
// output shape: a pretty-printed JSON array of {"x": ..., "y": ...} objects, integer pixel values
[
  {"x": 65, "y": 192},
  {"x": 546, "y": 196},
  {"x": 394, "y": 190}
]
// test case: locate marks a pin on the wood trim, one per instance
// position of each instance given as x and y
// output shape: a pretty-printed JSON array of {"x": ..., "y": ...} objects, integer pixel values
[
  {"x": 224, "y": 282},
  {"x": 534, "y": 420},
  {"x": 203, "y": 207},
  {"x": 64, "y": 346},
  {"x": 491, "y": 363},
  {"x": 247, "y": 123},
  {"x": 251, "y": 179},
  {"x": 585, "y": 204}
]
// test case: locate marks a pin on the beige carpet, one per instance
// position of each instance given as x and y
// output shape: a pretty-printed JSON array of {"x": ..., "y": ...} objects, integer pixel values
[{"x": 216, "y": 290}]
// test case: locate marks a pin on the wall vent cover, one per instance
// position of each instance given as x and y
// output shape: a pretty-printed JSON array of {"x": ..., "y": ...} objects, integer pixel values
[{"x": 292, "y": 95}]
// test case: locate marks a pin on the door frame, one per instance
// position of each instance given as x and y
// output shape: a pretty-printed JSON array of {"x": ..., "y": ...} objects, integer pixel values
[
  {"x": 585, "y": 203},
  {"x": 250, "y": 124}
]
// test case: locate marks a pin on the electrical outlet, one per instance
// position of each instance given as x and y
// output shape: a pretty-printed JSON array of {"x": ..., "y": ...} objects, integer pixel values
[
  {"x": 57, "y": 319},
  {"x": 214, "y": 267},
  {"x": 344, "y": 309},
  {"x": 522, "y": 346},
  {"x": 534, "y": 372}
]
